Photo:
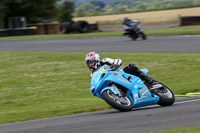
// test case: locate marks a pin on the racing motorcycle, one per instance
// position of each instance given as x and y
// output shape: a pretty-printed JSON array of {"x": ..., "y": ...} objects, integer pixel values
[
  {"x": 123, "y": 91},
  {"x": 134, "y": 32}
]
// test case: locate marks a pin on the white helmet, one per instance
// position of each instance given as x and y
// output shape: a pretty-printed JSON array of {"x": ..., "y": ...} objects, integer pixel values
[
  {"x": 95, "y": 58},
  {"x": 125, "y": 17}
]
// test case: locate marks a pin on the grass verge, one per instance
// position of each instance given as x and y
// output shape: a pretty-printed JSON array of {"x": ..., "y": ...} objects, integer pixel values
[
  {"x": 36, "y": 85},
  {"x": 190, "y": 30},
  {"x": 167, "y": 31},
  {"x": 180, "y": 130}
]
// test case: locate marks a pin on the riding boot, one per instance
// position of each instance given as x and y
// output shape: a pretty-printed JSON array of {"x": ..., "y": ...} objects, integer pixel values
[
  {"x": 153, "y": 84},
  {"x": 145, "y": 78},
  {"x": 134, "y": 70}
]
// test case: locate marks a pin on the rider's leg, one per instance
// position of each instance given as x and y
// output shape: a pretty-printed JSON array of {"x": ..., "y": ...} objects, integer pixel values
[{"x": 134, "y": 70}]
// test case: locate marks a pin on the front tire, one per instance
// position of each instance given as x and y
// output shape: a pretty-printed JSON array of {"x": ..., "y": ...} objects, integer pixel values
[
  {"x": 166, "y": 96},
  {"x": 144, "y": 37},
  {"x": 121, "y": 103}
]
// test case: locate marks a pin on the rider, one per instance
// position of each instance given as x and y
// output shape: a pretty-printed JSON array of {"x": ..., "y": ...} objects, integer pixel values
[
  {"x": 126, "y": 23},
  {"x": 94, "y": 62}
]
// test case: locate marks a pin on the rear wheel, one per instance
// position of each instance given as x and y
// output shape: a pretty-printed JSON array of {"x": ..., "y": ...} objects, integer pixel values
[
  {"x": 121, "y": 103},
  {"x": 134, "y": 37},
  {"x": 166, "y": 96}
]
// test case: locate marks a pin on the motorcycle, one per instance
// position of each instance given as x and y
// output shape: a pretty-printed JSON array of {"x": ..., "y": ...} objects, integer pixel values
[
  {"x": 124, "y": 92},
  {"x": 134, "y": 32}
]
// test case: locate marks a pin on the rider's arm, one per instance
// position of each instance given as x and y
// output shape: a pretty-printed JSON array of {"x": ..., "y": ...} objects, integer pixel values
[
  {"x": 134, "y": 21},
  {"x": 125, "y": 27},
  {"x": 110, "y": 61}
]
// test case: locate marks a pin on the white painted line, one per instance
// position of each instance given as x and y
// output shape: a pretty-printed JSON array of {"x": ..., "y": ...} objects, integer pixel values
[
  {"x": 150, "y": 106},
  {"x": 187, "y": 101}
]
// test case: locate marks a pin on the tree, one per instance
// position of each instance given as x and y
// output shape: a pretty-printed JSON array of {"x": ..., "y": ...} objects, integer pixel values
[
  {"x": 3, "y": 9},
  {"x": 67, "y": 8},
  {"x": 98, "y": 3},
  {"x": 107, "y": 8},
  {"x": 79, "y": 12},
  {"x": 196, "y": 2},
  {"x": 33, "y": 10},
  {"x": 84, "y": 9}
]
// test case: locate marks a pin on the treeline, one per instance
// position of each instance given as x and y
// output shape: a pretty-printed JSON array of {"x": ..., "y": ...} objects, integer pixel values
[
  {"x": 35, "y": 10},
  {"x": 103, "y": 7},
  {"x": 63, "y": 10}
]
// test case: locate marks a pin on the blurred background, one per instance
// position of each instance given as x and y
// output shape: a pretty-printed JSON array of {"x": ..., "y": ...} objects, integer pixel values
[
  {"x": 25, "y": 17},
  {"x": 35, "y": 85}
]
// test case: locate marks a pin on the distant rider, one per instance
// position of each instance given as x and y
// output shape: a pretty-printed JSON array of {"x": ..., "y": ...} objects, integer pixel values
[
  {"x": 94, "y": 62},
  {"x": 127, "y": 22}
]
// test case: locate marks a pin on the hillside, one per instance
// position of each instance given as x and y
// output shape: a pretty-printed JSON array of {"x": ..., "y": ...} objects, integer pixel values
[
  {"x": 149, "y": 20},
  {"x": 103, "y": 7}
]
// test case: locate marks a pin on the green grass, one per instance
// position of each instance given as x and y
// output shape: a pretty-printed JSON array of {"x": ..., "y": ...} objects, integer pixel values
[
  {"x": 190, "y": 30},
  {"x": 167, "y": 31},
  {"x": 36, "y": 85},
  {"x": 180, "y": 130},
  {"x": 59, "y": 36}
]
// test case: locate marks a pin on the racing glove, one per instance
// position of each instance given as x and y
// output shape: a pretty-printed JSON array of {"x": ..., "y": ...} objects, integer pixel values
[{"x": 112, "y": 61}]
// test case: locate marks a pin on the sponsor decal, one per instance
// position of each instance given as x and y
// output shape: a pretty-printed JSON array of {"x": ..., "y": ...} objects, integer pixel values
[
  {"x": 135, "y": 86},
  {"x": 123, "y": 80},
  {"x": 141, "y": 99},
  {"x": 102, "y": 71},
  {"x": 139, "y": 81},
  {"x": 115, "y": 74},
  {"x": 144, "y": 92},
  {"x": 93, "y": 87},
  {"x": 98, "y": 78}
]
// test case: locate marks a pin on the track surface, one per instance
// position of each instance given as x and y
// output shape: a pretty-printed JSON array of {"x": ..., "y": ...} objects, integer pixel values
[
  {"x": 170, "y": 44},
  {"x": 184, "y": 113}
]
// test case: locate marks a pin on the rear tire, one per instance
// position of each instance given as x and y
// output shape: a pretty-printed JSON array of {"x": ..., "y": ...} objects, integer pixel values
[
  {"x": 134, "y": 37},
  {"x": 116, "y": 101},
  {"x": 166, "y": 96}
]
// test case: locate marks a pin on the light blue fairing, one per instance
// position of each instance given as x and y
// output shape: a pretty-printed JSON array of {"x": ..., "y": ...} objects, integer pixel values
[{"x": 137, "y": 91}]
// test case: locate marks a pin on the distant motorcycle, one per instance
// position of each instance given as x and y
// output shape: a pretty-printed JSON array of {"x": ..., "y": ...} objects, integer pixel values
[
  {"x": 134, "y": 32},
  {"x": 123, "y": 91}
]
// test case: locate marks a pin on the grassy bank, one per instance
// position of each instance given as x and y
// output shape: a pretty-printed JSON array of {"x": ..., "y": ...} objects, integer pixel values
[
  {"x": 166, "y": 31},
  {"x": 37, "y": 85}
]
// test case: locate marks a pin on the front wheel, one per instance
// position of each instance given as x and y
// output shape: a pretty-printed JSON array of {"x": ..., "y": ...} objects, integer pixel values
[
  {"x": 121, "y": 103},
  {"x": 144, "y": 37},
  {"x": 166, "y": 96}
]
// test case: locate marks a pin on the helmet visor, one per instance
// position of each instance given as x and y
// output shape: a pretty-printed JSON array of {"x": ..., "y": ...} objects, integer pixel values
[{"x": 91, "y": 63}]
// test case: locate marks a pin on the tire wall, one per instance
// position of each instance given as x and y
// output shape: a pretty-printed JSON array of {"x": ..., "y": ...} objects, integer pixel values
[
  {"x": 194, "y": 20},
  {"x": 17, "y": 32},
  {"x": 79, "y": 26}
]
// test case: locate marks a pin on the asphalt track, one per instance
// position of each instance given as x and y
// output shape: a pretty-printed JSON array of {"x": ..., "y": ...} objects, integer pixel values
[
  {"x": 165, "y": 44},
  {"x": 184, "y": 113}
]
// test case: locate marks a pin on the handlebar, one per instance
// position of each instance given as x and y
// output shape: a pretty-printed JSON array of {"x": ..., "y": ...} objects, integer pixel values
[{"x": 113, "y": 67}]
